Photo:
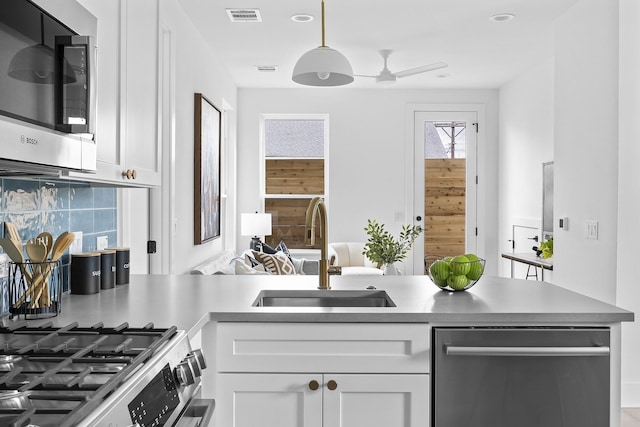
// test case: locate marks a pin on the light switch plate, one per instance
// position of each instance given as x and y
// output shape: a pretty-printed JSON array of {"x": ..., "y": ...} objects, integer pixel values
[
  {"x": 76, "y": 246},
  {"x": 592, "y": 230}
]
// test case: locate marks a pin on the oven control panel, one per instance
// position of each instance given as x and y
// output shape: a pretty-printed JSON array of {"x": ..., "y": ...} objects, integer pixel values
[
  {"x": 156, "y": 402},
  {"x": 160, "y": 397}
]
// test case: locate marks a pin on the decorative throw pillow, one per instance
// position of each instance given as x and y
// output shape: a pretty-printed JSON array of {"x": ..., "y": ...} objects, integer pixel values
[
  {"x": 277, "y": 263},
  {"x": 268, "y": 249},
  {"x": 241, "y": 268},
  {"x": 254, "y": 262},
  {"x": 283, "y": 248}
]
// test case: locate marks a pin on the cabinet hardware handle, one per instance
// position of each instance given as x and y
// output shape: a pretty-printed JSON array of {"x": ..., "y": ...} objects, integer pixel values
[
  {"x": 332, "y": 385},
  {"x": 526, "y": 351},
  {"x": 313, "y": 385},
  {"x": 130, "y": 174}
]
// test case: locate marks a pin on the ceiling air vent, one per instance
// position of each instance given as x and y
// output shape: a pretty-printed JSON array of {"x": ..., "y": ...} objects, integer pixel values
[
  {"x": 244, "y": 15},
  {"x": 267, "y": 68}
]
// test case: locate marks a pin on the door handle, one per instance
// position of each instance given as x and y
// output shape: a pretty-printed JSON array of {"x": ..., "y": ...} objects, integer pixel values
[{"x": 452, "y": 350}]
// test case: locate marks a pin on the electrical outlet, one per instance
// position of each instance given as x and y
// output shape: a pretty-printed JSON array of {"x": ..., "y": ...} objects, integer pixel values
[
  {"x": 592, "y": 230},
  {"x": 76, "y": 246},
  {"x": 563, "y": 223},
  {"x": 102, "y": 242}
]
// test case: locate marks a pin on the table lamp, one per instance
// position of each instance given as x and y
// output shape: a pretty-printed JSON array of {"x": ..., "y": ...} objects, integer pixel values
[{"x": 255, "y": 224}]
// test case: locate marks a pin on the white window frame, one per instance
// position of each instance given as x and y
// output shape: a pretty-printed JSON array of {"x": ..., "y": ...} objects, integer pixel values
[{"x": 262, "y": 172}]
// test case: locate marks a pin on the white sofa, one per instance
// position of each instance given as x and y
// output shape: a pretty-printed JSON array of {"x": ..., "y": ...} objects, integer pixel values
[
  {"x": 228, "y": 262},
  {"x": 350, "y": 256}
]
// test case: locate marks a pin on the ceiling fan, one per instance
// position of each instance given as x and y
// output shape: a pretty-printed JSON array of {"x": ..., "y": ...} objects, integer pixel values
[{"x": 387, "y": 76}]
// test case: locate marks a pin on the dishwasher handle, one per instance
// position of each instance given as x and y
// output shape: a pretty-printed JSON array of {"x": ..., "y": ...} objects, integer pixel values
[{"x": 454, "y": 350}]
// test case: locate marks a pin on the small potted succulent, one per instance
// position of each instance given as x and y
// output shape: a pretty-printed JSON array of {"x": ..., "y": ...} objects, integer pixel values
[{"x": 384, "y": 249}]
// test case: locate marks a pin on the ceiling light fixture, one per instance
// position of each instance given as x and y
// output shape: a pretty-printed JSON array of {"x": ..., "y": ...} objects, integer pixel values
[
  {"x": 502, "y": 17},
  {"x": 323, "y": 66},
  {"x": 302, "y": 18}
]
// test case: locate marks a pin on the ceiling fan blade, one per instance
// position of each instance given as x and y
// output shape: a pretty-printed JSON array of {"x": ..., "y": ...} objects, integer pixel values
[
  {"x": 361, "y": 75},
  {"x": 422, "y": 69}
]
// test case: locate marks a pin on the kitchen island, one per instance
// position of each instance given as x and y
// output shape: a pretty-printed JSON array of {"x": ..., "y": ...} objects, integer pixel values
[{"x": 270, "y": 361}]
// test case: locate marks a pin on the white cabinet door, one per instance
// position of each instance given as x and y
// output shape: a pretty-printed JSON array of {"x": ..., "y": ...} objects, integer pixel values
[
  {"x": 268, "y": 400},
  {"x": 376, "y": 401},
  {"x": 139, "y": 79},
  {"x": 127, "y": 137}
]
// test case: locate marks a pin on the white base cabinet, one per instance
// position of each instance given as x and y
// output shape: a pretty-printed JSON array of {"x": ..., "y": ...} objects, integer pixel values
[
  {"x": 292, "y": 400},
  {"x": 321, "y": 375}
]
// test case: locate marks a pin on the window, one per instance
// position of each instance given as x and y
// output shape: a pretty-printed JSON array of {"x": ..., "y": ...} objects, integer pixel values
[
  {"x": 294, "y": 173},
  {"x": 445, "y": 140}
]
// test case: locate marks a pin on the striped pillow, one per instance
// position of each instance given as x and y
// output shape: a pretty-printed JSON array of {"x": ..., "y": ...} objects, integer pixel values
[{"x": 277, "y": 263}]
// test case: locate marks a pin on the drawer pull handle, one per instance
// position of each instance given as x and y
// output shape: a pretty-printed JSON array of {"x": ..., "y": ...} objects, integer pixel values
[
  {"x": 313, "y": 385},
  {"x": 332, "y": 385}
]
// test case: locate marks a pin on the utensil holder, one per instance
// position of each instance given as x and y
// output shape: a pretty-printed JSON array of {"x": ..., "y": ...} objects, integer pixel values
[{"x": 35, "y": 289}]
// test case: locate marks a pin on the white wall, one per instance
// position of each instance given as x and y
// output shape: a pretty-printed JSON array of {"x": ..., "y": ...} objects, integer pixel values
[
  {"x": 586, "y": 147},
  {"x": 594, "y": 105},
  {"x": 197, "y": 70},
  {"x": 628, "y": 291},
  {"x": 366, "y": 152},
  {"x": 526, "y": 141}
]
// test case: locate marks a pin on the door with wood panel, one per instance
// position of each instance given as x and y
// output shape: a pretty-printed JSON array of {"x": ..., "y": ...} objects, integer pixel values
[{"x": 445, "y": 183}]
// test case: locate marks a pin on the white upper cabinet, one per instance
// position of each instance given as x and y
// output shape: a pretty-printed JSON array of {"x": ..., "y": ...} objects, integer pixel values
[{"x": 127, "y": 138}]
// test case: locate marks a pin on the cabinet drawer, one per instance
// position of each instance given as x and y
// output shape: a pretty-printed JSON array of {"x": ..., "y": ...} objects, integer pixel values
[{"x": 324, "y": 347}]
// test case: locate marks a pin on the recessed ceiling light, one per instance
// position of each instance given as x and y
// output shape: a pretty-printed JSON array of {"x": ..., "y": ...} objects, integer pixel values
[
  {"x": 302, "y": 18},
  {"x": 502, "y": 17},
  {"x": 443, "y": 75}
]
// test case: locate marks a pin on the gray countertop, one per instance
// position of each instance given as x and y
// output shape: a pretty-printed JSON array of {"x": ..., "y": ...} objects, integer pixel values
[{"x": 189, "y": 301}]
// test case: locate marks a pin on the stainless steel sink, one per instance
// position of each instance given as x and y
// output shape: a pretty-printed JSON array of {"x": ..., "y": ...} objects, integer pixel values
[{"x": 323, "y": 298}]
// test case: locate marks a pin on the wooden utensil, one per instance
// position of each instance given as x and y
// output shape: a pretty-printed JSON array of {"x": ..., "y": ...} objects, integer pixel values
[
  {"x": 15, "y": 254},
  {"x": 38, "y": 254},
  {"x": 61, "y": 244},
  {"x": 14, "y": 235},
  {"x": 47, "y": 239}
]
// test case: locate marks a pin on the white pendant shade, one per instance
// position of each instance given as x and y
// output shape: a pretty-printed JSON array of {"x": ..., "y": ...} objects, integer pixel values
[{"x": 323, "y": 66}]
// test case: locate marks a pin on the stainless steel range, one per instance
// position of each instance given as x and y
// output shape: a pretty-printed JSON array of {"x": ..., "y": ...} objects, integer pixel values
[{"x": 98, "y": 376}]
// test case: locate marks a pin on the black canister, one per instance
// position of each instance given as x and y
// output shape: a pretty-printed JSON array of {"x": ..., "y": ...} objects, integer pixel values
[
  {"x": 122, "y": 265},
  {"x": 107, "y": 269},
  {"x": 85, "y": 273}
]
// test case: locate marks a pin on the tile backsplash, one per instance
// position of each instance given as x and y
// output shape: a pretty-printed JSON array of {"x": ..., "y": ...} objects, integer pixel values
[{"x": 37, "y": 205}]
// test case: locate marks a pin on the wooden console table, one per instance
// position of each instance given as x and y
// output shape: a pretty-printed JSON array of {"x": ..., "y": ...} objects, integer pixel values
[{"x": 532, "y": 261}]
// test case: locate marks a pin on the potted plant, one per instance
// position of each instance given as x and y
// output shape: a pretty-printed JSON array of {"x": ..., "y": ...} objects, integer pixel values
[{"x": 383, "y": 249}]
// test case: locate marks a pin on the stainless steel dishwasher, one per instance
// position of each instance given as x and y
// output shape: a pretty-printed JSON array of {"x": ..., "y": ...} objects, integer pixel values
[{"x": 524, "y": 377}]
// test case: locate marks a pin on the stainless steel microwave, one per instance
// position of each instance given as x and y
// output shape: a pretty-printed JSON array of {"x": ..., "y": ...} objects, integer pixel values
[{"x": 47, "y": 85}]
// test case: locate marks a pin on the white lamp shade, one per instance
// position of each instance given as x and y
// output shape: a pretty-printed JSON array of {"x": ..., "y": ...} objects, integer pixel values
[
  {"x": 255, "y": 224},
  {"x": 323, "y": 66}
]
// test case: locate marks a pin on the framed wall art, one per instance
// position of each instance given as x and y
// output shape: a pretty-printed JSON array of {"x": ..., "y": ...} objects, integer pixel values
[{"x": 206, "y": 168}]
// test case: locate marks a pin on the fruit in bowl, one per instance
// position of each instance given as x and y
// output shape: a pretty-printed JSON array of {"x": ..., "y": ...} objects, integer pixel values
[{"x": 457, "y": 273}]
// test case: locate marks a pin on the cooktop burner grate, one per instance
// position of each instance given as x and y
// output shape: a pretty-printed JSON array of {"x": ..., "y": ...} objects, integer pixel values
[{"x": 62, "y": 374}]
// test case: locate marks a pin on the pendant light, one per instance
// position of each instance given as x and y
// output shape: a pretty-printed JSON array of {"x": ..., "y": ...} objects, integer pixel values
[{"x": 323, "y": 66}]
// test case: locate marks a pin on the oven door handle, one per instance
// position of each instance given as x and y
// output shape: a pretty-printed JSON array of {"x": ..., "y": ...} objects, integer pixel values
[
  {"x": 454, "y": 350},
  {"x": 198, "y": 408}
]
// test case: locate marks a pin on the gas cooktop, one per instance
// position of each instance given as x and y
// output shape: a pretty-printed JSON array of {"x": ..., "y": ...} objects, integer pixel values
[{"x": 53, "y": 376}]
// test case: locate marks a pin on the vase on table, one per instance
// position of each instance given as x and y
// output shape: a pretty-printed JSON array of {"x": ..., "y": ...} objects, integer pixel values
[{"x": 389, "y": 269}]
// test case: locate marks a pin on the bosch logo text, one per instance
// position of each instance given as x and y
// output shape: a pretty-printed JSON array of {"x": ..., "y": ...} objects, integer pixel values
[{"x": 27, "y": 140}]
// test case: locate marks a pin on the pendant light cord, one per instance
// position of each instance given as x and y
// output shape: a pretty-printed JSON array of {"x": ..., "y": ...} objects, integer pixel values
[{"x": 323, "y": 45}]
